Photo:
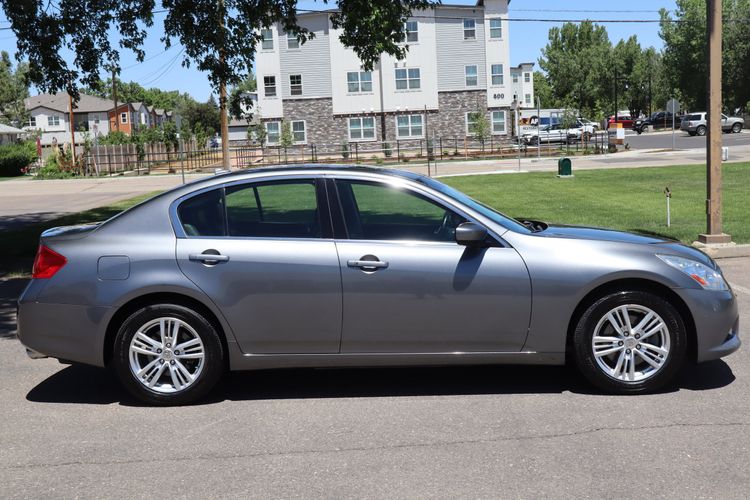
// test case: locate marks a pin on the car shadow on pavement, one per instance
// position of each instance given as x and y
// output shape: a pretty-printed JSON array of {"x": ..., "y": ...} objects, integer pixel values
[{"x": 90, "y": 385}]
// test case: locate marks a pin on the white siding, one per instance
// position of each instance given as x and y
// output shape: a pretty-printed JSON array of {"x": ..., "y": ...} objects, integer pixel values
[
  {"x": 498, "y": 52},
  {"x": 454, "y": 52},
  {"x": 267, "y": 64},
  {"x": 311, "y": 60}
]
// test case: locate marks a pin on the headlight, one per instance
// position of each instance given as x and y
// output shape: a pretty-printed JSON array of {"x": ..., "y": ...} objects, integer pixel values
[{"x": 706, "y": 277}]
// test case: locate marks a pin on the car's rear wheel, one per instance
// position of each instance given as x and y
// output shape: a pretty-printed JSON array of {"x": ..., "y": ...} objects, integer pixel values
[
  {"x": 168, "y": 354},
  {"x": 630, "y": 342},
  {"x": 701, "y": 130},
  {"x": 736, "y": 128}
]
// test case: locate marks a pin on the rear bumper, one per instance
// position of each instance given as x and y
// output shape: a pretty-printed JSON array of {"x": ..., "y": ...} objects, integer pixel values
[{"x": 62, "y": 331}]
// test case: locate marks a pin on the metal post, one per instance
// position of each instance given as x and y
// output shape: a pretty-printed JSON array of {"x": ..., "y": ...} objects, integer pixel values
[
  {"x": 673, "y": 112},
  {"x": 538, "y": 127},
  {"x": 714, "y": 233}
]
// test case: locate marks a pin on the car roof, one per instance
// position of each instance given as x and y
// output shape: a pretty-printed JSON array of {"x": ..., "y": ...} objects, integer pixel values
[{"x": 317, "y": 167}]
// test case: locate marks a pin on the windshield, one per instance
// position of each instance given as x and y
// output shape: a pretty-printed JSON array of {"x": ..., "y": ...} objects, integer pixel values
[{"x": 477, "y": 206}]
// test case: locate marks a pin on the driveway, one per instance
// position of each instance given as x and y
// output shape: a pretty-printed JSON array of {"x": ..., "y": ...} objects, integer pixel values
[{"x": 69, "y": 431}]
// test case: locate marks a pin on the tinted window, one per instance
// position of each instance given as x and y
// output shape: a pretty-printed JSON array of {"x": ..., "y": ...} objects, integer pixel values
[
  {"x": 273, "y": 210},
  {"x": 380, "y": 212},
  {"x": 203, "y": 215}
]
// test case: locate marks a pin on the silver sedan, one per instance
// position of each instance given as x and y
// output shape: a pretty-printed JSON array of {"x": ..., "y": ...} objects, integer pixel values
[{"x": 320, "y": 266}]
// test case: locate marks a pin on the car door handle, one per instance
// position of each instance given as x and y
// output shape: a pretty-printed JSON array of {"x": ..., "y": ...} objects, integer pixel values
[
  {"x": 367, "y": 264},
  {"x": 208, "y": 257}
]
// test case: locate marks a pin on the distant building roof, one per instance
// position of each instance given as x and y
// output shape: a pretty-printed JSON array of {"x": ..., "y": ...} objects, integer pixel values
[
  {"x": 7, "y": 129},
  {"x": 159, "y": 112},
  {"x": 59, "y": 102},
  {"x": 136, "y": 105}
]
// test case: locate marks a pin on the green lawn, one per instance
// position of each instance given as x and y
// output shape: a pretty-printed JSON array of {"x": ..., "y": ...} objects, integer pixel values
[{"x": 630, "y": 199}]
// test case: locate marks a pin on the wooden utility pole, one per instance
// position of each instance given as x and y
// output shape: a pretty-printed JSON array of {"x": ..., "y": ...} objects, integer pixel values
[
  {"x": 114, "y": 97},
  {"x": 72, "y": 128},
  {"x": 225, "y": 163},
  {"x": 714, "y": 233}
]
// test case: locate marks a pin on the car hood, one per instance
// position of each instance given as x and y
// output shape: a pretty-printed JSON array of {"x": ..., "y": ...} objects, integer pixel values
[{"x": 661, "y": 244}]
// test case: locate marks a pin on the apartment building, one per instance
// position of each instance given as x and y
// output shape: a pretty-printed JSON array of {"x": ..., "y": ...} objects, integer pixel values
[
  {"x": 457, "y": 64},
  {"x": 50, "y": 114}
]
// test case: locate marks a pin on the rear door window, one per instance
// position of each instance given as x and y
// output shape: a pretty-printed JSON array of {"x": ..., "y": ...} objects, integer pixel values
[{"x": 203, "y": 215}]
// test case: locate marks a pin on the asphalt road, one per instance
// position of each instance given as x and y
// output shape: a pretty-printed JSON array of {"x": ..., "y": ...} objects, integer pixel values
[
  {"x": 663, "y": 140},
  {"x": 69, "y": 431}
]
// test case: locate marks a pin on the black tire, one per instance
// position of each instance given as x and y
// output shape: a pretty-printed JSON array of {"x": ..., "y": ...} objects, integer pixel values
[
  {"x": 584, "y": 351},
  {"x": 213, "y": 361},
  {"x": 701, "y": 130},
  {"x": 736, "y": 128}
]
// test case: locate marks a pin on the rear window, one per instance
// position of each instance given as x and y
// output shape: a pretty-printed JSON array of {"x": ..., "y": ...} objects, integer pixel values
[
  {"x": 287, "y": 209},
  {"x": 695, "y": 118}
]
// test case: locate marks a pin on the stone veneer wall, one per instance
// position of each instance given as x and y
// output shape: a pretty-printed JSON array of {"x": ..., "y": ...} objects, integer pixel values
[{"x": 323, "y": 127}]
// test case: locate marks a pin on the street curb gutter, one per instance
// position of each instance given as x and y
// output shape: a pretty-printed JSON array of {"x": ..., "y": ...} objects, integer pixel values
[{"x": 725, "y": 251}]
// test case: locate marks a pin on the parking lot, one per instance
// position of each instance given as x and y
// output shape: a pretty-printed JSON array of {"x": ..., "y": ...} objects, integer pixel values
[{"x": 69, "y": 431}]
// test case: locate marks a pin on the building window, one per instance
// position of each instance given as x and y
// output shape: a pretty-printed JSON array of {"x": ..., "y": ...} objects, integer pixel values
[
  {"x": 471, "y": 76},
  {"x": 291, "y": 41},
  {"x": 412, "y": 31},
  {"x": 409, "y": 126},
  {"x": 515, "y": 77},
  {"x": 273, "y": 132},
  {"x": 53, "y": 121},
  {"x": 361, "y": 128},
  {"x": 496, "y": 28},
  {"x": 32, "y": 121},
  {"x": 267, "y": 39},
  {"x": 471, "y": 122},
  {"x": 359, "y": 81},
  {"x": 527, "y": 98},
  {"x": 269, "y": 86},
  {"x": 498, "y": 122},
  {"x": 470, "y": 29},
  {"x": 298, "y": 132},
  {"x": 407, "y": 79},
  {"x": 295, "y": 84},
  {"x": 123, "y": 118},
  {"x": 497, "y": 74},
  {"x": 527, "y": 77}
]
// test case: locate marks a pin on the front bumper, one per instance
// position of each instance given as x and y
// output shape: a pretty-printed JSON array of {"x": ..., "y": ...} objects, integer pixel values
[{"x": 716, "y": 319}]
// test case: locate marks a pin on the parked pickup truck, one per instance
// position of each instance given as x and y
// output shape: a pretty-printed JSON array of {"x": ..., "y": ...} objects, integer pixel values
[{"x": 695, "y": 124}]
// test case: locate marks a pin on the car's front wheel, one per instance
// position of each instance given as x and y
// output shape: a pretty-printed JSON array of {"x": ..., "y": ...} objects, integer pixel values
[
  {"x": 736, "y": 128},
  {"x": 168, "y": 354},
  {"x": 701, "y": 130},
  {"x": 630, "y": 342}
]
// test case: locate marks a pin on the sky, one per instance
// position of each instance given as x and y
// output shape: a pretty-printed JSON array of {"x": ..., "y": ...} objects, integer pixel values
[{"x": 162, "y": 68}]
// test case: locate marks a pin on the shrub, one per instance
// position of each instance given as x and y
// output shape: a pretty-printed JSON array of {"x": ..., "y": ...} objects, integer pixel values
[
  {"x": 52, "y": 170},
  {"x": 345, "y": 150},
  {"x": 14, "y": 158},
  {"x": 387, "y": 151}
]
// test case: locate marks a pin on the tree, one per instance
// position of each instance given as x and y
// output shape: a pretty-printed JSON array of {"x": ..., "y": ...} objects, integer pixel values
[
  {"x": 204, "y": 115},
  {"x": 685, "y": 59},
  {"x": 224, "y": 46},
  {"x": 576, "y": 60},
  {"x": 13, "y": 90},
  {"x": 480, "y": 126},
  {"x": 238, "y": 97},
  {"x": 543, "y": 90},
  {"x": 287, "y": 138}
]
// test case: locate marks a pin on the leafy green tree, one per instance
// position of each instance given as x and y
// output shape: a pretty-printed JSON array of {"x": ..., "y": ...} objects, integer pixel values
[
  {"x": 543, "y": 90},
  {"x": 287, "y": 138},
  {"x": 257, "y": 133},
  {"x": 685, "y": 58},
  {"x": 13, "y": 90},
  {"x": 204, "y": 115},
  {"x": 577, "y": 63},
  {"x": 224, "y": 46},
  {"x": 480, "y": 128},
  {"x": 238, "y": 97},
  {"x": 169, "y": 134}
]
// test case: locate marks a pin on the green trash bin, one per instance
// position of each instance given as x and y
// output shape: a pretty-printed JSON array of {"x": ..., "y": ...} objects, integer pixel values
[{"x": 564, "y": 167}]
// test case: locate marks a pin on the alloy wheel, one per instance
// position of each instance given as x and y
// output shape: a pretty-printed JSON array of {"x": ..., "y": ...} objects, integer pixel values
[
  {"x": 631, "y": 343},
  {"x": 166, "y": 355}
]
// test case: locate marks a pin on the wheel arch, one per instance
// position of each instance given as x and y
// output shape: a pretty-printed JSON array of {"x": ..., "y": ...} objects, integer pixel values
[
  {"x": 637, "y": 284},
  {"x": 152, "y": 298}
]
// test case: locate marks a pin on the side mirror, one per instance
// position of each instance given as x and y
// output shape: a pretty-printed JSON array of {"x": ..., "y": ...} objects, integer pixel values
[{"x": 470, "y": 234}]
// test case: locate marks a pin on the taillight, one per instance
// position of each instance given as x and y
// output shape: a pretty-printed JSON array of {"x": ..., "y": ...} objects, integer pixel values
[{"x": 47, "y": 263}]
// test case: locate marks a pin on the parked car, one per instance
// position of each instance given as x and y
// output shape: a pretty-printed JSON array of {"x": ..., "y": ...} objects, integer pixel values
[
  {"x": 549, "y": 134},
  {"x": 330, "y": 266},
  {"x": 626, "y": 120},
  {"x": 582, "y": 129},
  {"x": 658, "y": 120},
  {"x": 695, "y": 124},
  {"x": 589, "y": 123}
]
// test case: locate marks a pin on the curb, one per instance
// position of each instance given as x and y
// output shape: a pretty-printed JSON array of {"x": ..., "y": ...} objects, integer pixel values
[{"x": 726, "y": 251}]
